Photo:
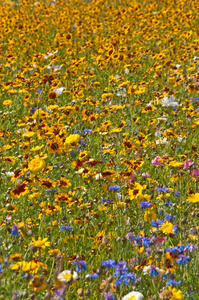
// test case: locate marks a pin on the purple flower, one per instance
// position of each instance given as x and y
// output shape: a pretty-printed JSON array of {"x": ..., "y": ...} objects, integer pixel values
[
  {"x": 65, "y": 228},
  {"x": 182, "y": 260},
  {"x": 173, "y": 282},
  {"x": 153, "y": 271},
  {"x": 92, "y": 275},
  {"x": 15, "y": 230},
  {"x": 60, "y": 292},
  {"x": 109, "y": 263},
  {"x": 81, "y": 265},
  {"x": 145, "y": 204},
  {"x": 33, "y": 110},
  {"x": 109, "y": 296},
  {"x": 114, "y": 188},
  {"x": 1, "y": 270}
]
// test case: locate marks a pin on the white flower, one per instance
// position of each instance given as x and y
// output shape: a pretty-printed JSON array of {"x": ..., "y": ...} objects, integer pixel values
[
  {"x": 10, "y": 174},
  {"x": 50, "y": 54},
  {"x": 161, "y": 141},
  {"x": 169, "y": 101},
  {"x": 119, "y": 196},
  {"x": 98, "y": 176},
  {"x": 59, "y": 91},
  {"x": 66, "y": 276},
  {"x": 133, "y": 296}
]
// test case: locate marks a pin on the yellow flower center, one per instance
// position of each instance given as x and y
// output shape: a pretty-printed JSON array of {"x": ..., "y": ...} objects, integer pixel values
[{"x": 67, "y": 276}]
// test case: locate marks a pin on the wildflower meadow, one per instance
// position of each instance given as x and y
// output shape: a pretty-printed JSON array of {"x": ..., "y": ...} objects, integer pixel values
[{"x": 99, "y": 141}]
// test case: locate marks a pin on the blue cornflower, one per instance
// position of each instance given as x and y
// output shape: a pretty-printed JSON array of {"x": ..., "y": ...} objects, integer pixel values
[
  {"x": 77, "y": 132},
  {"x": 88, "y": 130},
  {"x": 51, "y": 191},
  {"x": 81, "y": 265},
  {"x": 157, "y": 223},
  {"x": 173, "y": 282},
  {"x": 1, "y": 270},
  {"x": 105, "y": 201},
  {"x": 65, "y": 228},
  {"x": 146, "y": 241},
  {"x": 109, "y": 263},
  {"x": 15, "y": 230},
  {"x": 33, "y": 110},
  {"x": 145, "y": 204},
  {"x": 114, "y": 188},
  {"x": 92, "y": 275},
  {"x": 119, "y": 268},
  {"x": 138, "y": 240},
  {"x": 153, "y": 271},
  {"x": 163, "y": 189},
  {"x": 177, "y": 194},
  {"x": 72, "y": 152},
  {"x": 167, "y": 217},
  {"x": 125, "y": 277},
  {"x": 182, "y": 260},
  {"x": 176, "y": 228}
]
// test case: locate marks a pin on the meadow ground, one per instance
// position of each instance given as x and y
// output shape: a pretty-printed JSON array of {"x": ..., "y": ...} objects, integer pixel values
[{"x": 99, "y": 176}]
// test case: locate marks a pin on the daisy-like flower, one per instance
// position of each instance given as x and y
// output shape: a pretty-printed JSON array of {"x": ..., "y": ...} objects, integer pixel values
[
  {"x": 67, "y": 276},
  {"x": 133, "y": 296},
  {"x": 41, "y": 243},
  {"x": 169, "y": 101}
]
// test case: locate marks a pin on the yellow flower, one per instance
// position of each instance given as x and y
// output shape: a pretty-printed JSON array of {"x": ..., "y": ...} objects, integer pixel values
[
  {"x": 7, "y": 102},
  {"x": 136, "y": 191},
  {"x": 166, "y": 227},
  {"x": 9, "y": 159},
  {"x": 72, "y": 138},
  {"x": 41, "y": 243},
  {"x": 37, "y": 164},
  {"x": 27, "y": 266},
  {"x": 37, "y": 284},
  {"x": 177, "y": 294},
  {"x": 150, "y": 215},
  {"x": 37, "y": 148},
  {"x": 193, "y": 198}
]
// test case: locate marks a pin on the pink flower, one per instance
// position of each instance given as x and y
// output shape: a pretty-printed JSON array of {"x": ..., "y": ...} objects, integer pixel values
[
  {"x": 195, "y": 172},
  {"x": 146, "y": 175},
  {"x": 188, "y": 163},
  {"x": 156, "y": 161},
  {"x": 195, "y": 81}
]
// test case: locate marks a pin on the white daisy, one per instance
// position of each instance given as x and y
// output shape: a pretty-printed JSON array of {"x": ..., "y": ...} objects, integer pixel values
[
  {"x": 133, "y": 296},
  {"x": 66, "y": 276}
]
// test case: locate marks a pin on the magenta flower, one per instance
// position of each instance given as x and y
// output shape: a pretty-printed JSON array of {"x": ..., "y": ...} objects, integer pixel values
[{"x": 156, "y": 161}]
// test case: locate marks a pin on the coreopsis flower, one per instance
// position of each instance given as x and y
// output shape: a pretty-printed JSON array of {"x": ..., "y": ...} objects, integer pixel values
[
  {"x": 136, "y": 191},
  {"x": 36, "y": 165},
  {"x": 19, "y": 191},
  {"x": 9, "y": 159}
]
